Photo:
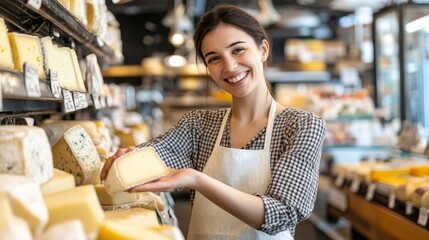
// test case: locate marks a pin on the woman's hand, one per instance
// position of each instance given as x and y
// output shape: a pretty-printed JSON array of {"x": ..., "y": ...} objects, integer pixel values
[
  {"x": 111, "y": 159},
  {"x": 182, "y": 178}
]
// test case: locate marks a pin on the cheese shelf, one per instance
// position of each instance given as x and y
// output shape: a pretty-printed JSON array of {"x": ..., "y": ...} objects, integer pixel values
[{"x": 51, "y": 17}]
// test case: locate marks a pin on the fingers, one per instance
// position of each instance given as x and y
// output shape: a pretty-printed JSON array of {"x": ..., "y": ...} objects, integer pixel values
[{"x": 110, "y": 160}]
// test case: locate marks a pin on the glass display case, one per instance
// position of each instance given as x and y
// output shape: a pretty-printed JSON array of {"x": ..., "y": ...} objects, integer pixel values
[{"x": 401, "y": 51}]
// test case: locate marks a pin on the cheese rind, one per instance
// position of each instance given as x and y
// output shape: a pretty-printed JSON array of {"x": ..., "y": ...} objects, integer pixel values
[
  {"x": 26, "y": 49},
  {"x": 26, "y": 200},
  {"x": 76, "y": 154},
  {"x": 6, "y": 59},
  {"x": 25, "y": 150},
  {"x": 134, "y": 168},
  {"x": 59, "y": 182},
  {"x": 76, "y": 203}
]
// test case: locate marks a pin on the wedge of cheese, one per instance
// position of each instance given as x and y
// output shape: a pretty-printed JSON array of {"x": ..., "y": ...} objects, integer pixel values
[
  {"x": 67, "y": 76},
  {"x": 115, "y": 199},
  {"x": 134, "y": 168},
  {"x": 68, "y": 230},
  {"x": 123, "y": 231},
  {"x": 6, "y": 59},
  {"x": 25, "y": 150},
  {"x": 76, "y": 154},
  {"x": 12, "y": 227},
  {"x": 26, "y": 200},
  {"x": 77, "y": 203},
  {"x": 59, "y": 182},
  {"x": 26, "y": 49},
  {"x": 138, "y": 216}
]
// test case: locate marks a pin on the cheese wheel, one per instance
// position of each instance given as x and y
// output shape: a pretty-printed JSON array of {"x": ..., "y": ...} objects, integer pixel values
[{"x": 134, "y": 168}]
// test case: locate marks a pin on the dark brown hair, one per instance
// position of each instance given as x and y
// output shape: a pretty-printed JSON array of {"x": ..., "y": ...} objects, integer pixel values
[{"x": 231, "y": 15}]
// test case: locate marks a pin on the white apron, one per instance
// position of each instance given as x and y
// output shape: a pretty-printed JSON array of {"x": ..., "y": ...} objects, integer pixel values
[{"x": 246, "y": 170}]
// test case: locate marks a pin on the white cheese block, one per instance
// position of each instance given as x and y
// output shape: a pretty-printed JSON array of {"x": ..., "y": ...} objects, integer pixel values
[
  {"x": 26, "y": 200},
  {"x": 68, "y": 230},
  {"x": 420, "y": 196},
  {"x": 67, "y": 76},
  {"x": 11, "y": 227},
  {"x": 77, "y": 203},
  {"x": 26, "y": 48},
  {"x": 78, "y": 72},
  {"x": 134, "y": 168},
  {"x": 56, "y": 130},
  {"x": 59, "y": 182},
  {"x": 123, "y": 231},
  {"x": 6, "y": 59},
  {"x": 138, "y": 216},
  {"x": 25, "y": 150},
  {"x": 76, "y": 154},
  {"x": 78, "y": 9}
]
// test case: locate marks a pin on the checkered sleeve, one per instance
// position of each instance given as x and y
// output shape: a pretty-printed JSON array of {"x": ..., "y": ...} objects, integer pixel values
[{"x": 291, "y": 194}]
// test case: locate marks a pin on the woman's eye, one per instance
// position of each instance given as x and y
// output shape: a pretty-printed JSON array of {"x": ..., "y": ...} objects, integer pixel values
[
  {"x": 238, "y": 50},
  {"x": 213, "y": 59}
]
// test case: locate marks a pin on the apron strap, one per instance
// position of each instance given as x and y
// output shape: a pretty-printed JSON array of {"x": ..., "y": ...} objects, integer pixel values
[
  {"x": 269, "y": 130},
  {"x": 222, "y": 126}
]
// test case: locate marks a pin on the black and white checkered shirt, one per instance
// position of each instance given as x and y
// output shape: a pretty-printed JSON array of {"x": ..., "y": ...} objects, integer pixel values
[{"x": 295, "y": 154}]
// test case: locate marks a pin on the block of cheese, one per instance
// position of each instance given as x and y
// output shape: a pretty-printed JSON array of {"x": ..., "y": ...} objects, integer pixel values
[
  {"x": 123, "y": 231},
  {"x": 78, "y": 72},
  {"x": 138, "y": 216},
  {"x": 67, "y": 75},
  {"x": 78, "y": 9},
  {"x": 67, "y": 230},
  {"x": 56, "y": 130},
  {"x": 76, "y": 154},
  {"x": 93, "y": 16},
  {"x": 65, "y": 3},
  {"x": 12, "y": 227},
  {"x": 59, "y": 182},
  {"x": 421, "y": 170},
  {"x": 381, "y": 171},
  {"x": 116, "y": 198},
  {"x": 170, "y": 231},
  {"x": 131, "y": 137},
  {"x": 25, "y": 150},
  {"x": 420, "y": 196},
  {"x": 49, "y": 55},
  {"x": 26, "y": 200},
  {"x": 26, "y": 48},
  {"x": 77, "y": 203},
  {"x": 134, "y": 168},
  {"x": 6, "y": 59}
]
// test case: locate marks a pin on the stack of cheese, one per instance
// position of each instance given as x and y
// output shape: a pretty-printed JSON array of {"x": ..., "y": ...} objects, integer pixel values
[{"x": 6, "y": 59}]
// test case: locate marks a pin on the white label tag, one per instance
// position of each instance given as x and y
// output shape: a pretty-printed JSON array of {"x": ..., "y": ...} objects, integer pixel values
[
  {"x": 35, "y": 3},
  {"x": 68, "y": 101},
  {"x": 338, "y": 199},
  {"x": 423, "y": 216},
  {"x": 55, "y": 84},
  {"x": 80, "y": 101},
  {"x": 339, "y": 181},
  {"x": 392, "y": 201},
  {"x": 408, "y": 208},
  {"x": 355, "y": 185},
  {"x": 31, "y": 79},
  {"x": 96, "y": 101},
  {"x": 370, "y": 192},
  {"x": 103, "y": 101},
  {"x": 2, "y": 78}
]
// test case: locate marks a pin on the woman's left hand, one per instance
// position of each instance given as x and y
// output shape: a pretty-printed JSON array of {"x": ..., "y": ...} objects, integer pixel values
[{"x": 173, "y": 180}]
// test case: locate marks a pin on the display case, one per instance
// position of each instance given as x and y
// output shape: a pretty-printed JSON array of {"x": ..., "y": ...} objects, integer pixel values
[{"x": 401, "y": 52}]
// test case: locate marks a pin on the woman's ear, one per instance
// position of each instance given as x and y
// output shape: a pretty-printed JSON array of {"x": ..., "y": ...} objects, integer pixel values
[{"x": 265, "y": 49}]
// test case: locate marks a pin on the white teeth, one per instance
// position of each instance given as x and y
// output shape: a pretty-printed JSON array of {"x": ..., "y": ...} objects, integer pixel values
[{"x": 236, "y": 78}]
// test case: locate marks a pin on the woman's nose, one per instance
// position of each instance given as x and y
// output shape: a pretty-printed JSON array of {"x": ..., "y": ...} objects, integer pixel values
[{"x": 229, "y": 64}]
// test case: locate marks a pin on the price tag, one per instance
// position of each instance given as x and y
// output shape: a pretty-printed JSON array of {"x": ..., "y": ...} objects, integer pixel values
[
  {"x": 96, "y": 101},
  {"x": 338, "y": 199},
  {"x": 35, "y": 3},
  {"x": 31, "y": 79},
  {"x": 392, "y": 201},
  {"x": 103, "y": 101},
  {"x": 68, "y": 101},
  {"x": 355, "y": 185},
  {"x": 408, "y": 208},
  {"x": 80, "y": 101},
  {"x": 370, "y": 192},
  {"x": 55, "y": 84},
  {"x": 339, "y": 181},
  {"x": 423, "y": 216}
]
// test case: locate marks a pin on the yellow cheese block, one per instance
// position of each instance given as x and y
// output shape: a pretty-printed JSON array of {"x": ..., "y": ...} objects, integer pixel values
[
  {"x": 76, "y": 203},
  {"x": 123, "y": 231},
  {"x": 59, "y": 182},
  {"x": 11, "y": 227},
  {"x": 380, "y": 172},
  {"x": 138, "y": 216},
  {"x": 67, "y": 76},
  {"x": 422, "y": 170},
  {"x": 6, "y": 59},
  {"x": 134, "y": 168},
  {"x": 65, "y": 3},
  {"x": 26, "y": 49},
  {"x": 78, "y": 9},
  {"x": 116, "y": 198}
]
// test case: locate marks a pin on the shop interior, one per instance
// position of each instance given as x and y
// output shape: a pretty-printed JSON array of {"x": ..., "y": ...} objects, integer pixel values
[{"x": 128, "y": 69}]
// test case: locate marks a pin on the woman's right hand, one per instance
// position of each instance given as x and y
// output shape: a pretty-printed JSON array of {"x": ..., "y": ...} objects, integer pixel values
[{"x": 111, "y": 159}]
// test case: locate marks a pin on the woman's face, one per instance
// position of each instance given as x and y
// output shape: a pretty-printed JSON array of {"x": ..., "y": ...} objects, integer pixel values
[{"x": 234, "y": 60}]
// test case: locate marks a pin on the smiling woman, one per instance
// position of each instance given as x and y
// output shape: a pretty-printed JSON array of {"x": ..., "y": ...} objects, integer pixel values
[{"x": 252, "y": 168}]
